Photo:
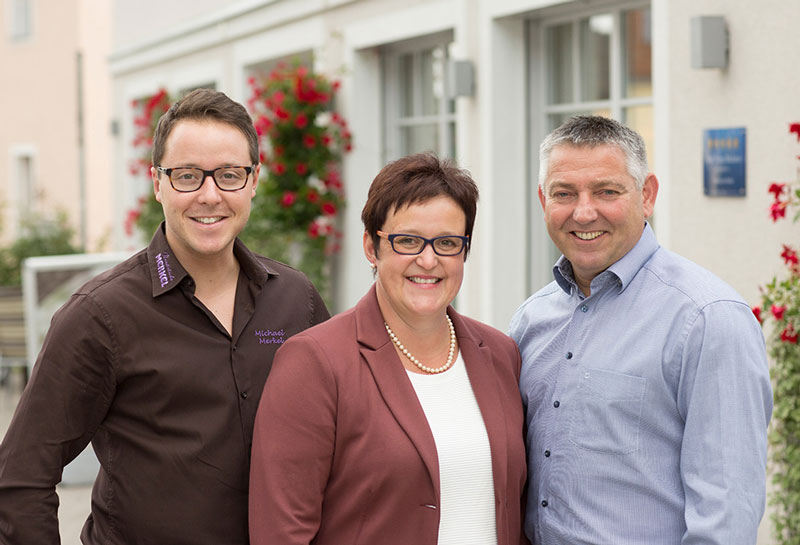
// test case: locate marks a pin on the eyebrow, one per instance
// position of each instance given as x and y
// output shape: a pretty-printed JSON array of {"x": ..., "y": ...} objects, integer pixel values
[{"x": 597, "y": 184}]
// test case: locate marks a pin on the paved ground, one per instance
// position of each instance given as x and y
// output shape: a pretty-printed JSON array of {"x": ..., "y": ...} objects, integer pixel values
[{"x": 75, "y": 499}]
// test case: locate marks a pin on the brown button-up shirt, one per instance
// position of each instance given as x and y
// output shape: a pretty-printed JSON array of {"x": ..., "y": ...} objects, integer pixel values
[{"x": 137, "y": 365}]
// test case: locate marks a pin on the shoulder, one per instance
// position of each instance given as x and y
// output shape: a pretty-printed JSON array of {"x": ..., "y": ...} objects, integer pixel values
[
  {"x": 686, "y": 279},
  {"x": 547, "y": 304}
]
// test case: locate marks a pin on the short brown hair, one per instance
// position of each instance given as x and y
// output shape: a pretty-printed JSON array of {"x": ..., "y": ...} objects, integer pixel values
[
  {"x": 205, "y": 105},
  {"x": 415, "y": 179}
]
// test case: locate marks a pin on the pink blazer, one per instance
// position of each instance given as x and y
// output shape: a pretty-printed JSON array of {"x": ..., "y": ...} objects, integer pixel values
[{"x": 342, "y": 451}]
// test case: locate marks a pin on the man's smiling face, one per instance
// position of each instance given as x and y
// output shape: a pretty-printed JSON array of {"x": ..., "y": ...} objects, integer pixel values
[{"x": 593, "y": 209}]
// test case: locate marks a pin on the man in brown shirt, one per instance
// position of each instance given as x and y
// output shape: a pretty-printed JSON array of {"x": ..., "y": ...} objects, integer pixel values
[{"x": 160, "y": 362}]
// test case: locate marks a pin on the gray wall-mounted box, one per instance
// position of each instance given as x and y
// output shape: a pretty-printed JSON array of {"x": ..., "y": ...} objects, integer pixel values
[{"x": 709, "y": 41}]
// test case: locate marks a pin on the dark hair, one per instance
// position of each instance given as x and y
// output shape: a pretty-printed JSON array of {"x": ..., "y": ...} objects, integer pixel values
[
  {"x": 595, "y": 130},
  {"x": 415, "y": 179},
  {"x": 205, "y": 105}
]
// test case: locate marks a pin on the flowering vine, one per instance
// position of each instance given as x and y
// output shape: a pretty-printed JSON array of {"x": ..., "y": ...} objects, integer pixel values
[
  {"x": 301, "y": 193},
  {"x": 148, "y": 110},
  {"x": 780, "y": 303}
]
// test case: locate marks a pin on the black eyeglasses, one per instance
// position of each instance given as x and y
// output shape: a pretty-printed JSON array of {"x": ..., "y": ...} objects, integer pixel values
[
  {"x": 414, "y": 244},
  {"x": 188, "y": 179}
]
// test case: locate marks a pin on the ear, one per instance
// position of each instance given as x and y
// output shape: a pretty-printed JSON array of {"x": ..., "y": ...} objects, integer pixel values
[
  {"x": 541, "y": 197},
  {"x": 369, "y": 249},
  {"x": 649, "y": 193},
  {"x": 154, "y": 174},
  {"x": 256, "y": 174}
]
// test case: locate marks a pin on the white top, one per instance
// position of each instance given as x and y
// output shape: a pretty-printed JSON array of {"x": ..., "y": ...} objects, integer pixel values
[{"x": 467, "y": 511}]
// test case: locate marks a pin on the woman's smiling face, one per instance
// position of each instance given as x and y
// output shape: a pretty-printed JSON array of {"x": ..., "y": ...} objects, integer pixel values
[{"x": 417, "y": 286}]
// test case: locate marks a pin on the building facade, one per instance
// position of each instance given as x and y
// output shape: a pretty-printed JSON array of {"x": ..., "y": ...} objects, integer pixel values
[
  {"x": 55, "y": 146},
  {"x": 483, "y": 81}
]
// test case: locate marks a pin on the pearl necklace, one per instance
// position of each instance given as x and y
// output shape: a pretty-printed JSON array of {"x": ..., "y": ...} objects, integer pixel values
[{"x": 419, "y": 364}]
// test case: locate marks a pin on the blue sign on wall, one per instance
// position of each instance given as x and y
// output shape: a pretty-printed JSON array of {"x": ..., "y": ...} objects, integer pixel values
[{"x": 724, "y": 162}]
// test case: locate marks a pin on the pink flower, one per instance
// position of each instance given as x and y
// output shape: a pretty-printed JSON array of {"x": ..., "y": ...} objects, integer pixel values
[
  {"x": 278, "y": 168},
  {"x": 313, "y": 229},
  {"x": 288, "y": 199},
  {"x": 777, "y": 311},
  {"x": 329, "y": 209},
  {"x": 789, "y": 335},
  {"x": 301, "y": 168},
  {"x": 776, "y": 189},
  {"x": 789, "y": 256},
  {"x": 301, "y": 121},
  {"x": 777, "y": 210},
  {"x": 757, "y": 314},
  {"x": 795, "y": 128}
]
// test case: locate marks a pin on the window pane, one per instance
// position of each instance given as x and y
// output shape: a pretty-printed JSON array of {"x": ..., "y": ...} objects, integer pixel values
[
  {"x": 595, "y": 64},
  {"x": 559, "y": 63},
  {"x": 636, "y": 51},
  {"x": 640, "y": 119},
  {"x": 406, "y": 81},
  {"x": 419, "y": 138}
]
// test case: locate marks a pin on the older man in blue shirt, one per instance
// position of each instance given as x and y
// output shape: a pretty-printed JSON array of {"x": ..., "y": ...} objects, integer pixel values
[{"x": 644, "y": 376}]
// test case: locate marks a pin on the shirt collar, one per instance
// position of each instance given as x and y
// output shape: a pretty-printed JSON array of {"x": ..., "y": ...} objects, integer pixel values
[
  {"x": 624, "y": 269},
  {"x": 166, "y": 271}
]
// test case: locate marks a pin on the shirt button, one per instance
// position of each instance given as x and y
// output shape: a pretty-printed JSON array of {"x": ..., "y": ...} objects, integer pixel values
[
  {"x": 584, "y": 308},
  {"x": 544, "y": 503},
  {"x": 547, "y": 454},
  {"x": 244, "y": 395},
  {"x": 569, "y": 355},
  {"x": 556, "y": 404}
]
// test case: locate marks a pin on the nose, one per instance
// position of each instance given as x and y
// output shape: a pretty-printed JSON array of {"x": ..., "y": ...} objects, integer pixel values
[
  {"x": 427, "y": 259},
  {"x": 585, "y": 211},
  {"x": 208, "y": 191}
]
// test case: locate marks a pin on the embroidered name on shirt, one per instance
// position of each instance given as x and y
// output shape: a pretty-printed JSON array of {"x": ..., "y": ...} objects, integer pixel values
[
  {"x": 165, "y": 275},
  {"x": 268, "y": 336}
]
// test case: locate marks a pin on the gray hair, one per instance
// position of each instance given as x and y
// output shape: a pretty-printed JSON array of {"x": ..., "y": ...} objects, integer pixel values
[{"x": 591, "y": 131}]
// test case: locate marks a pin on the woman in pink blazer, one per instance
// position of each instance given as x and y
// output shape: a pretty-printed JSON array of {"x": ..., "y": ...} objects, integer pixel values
[{"x": 398, "y": 421}]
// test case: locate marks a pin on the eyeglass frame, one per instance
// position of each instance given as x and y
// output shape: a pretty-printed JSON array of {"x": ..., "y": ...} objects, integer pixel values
[
  {"x": 426, "y": 241},
  {"x": 206, "y": 173}
]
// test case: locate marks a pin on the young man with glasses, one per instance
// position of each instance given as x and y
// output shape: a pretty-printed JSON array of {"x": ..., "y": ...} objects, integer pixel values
[{"x": 160, "y": 362}]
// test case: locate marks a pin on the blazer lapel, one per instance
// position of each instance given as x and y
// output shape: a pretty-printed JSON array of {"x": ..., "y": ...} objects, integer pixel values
[
  {"x": 478, "y": 361},
  {"x": 390, "y": 376}
]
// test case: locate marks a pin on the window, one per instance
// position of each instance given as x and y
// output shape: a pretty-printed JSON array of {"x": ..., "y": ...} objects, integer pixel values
[
  {"x": 22, "y": 187},
  {"x": 596, "y": 62},
  {"x": 20, "y": 13},
  {"x": 420, "y": 115}
]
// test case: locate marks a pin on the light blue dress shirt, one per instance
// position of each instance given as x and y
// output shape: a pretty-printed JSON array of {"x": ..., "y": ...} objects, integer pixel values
[{"x": 647, "y": 405}]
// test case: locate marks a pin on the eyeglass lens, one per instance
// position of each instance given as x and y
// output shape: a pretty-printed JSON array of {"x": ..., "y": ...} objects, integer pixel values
[
  {"x": 227, "y": 178},
  {"x": 412, "y": 244}
]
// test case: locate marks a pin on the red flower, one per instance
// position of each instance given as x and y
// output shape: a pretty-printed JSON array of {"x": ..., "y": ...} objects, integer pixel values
[
  {"x": 288, "y": 199},
  {"x": 777, "y": 210},
  {"x": 281, "y": 114},
  {"x": 301, "y": 168},
  {"x": 278, "y": 150},
  {"x": 130, "y": 221},
  {"x": 309, "y": 141},
  {"x": 336, "y": 84},
  {"x": 301, "y": 121},
  {"x": 312, "y": 196},
  {"x": 789, "y": 335},
  {"x": 789, "y": 256},
  {"x": 278, "y": 97},
  {"x": 278, "y": 168},
  {"x": 326, "y": 139},
  {"x": 313, "y": 229},
  {"x": 776, "y": 189},
  {"x": 795, "y": 128},
  {"x": 777, "y": 311},
  {"x": 757, "y": 314},
  {"x": 329, "y": 209}
]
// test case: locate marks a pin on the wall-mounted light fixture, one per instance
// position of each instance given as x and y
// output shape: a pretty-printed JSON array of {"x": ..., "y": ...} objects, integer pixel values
[
  {"x": 709, "y": 42},
  {"x": 460, "y": 78}
]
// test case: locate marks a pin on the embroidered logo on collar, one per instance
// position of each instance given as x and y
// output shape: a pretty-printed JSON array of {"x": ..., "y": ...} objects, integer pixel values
[
  {"x": 165, "y": 275},
  {"x": 268, "y": 336}
]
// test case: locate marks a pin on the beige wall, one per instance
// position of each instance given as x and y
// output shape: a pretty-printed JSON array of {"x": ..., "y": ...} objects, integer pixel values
[{"x": 40, "y": 110}]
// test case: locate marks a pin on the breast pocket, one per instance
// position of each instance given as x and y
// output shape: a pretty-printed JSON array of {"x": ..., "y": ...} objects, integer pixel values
[{"x": 607, "y": 412}]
